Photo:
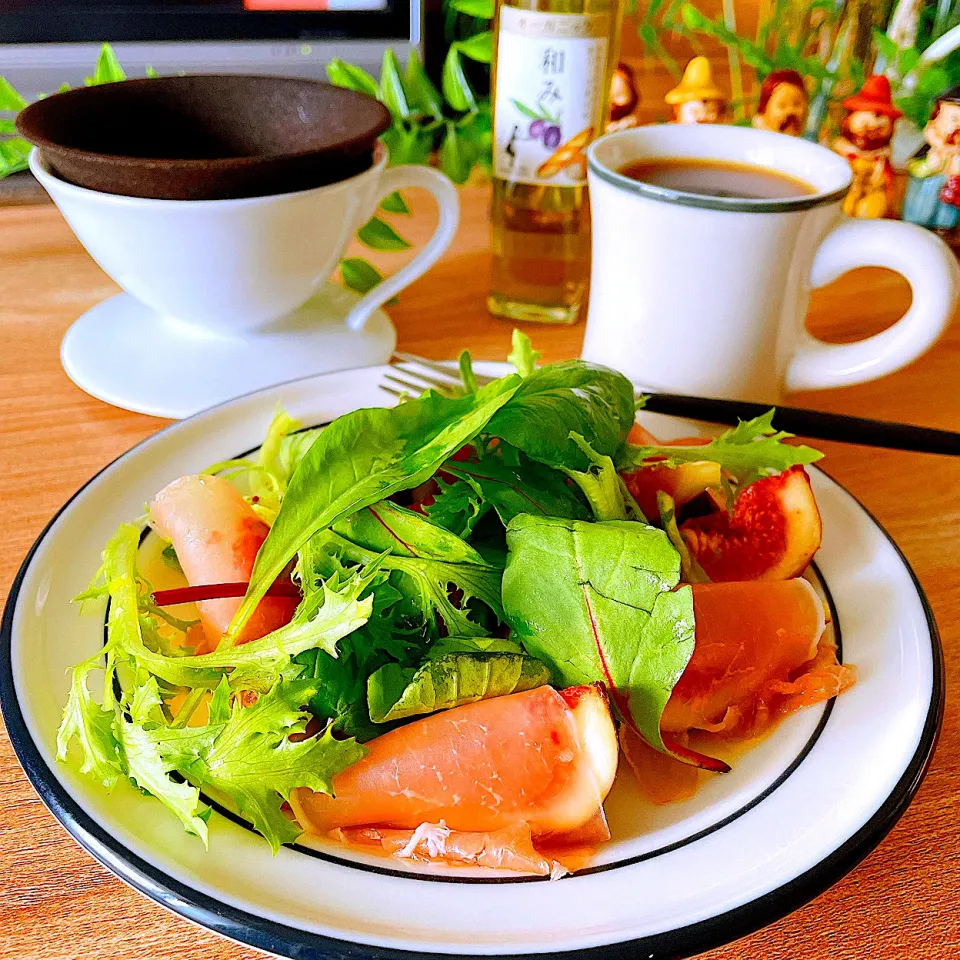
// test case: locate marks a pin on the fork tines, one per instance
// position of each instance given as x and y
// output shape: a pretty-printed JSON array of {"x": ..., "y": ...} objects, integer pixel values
[{"x": 416, "y": 380}]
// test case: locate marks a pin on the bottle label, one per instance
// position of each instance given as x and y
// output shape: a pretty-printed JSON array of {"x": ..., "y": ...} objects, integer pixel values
[{"x": 549, "y": 94}]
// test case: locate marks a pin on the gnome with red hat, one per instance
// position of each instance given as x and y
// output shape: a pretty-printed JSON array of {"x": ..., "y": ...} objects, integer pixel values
[{"x": 865, "y": 141}]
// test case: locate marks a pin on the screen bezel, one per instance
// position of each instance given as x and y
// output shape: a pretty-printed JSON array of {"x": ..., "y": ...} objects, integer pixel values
[{"x": 63, "y": 25}]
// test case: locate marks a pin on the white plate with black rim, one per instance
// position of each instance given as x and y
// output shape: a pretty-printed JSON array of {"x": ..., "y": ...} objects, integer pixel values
[{"x": 798, "y": 811}]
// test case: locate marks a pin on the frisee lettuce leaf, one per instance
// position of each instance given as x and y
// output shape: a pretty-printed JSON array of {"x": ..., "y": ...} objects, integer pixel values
[
  {"x": 328, "y": 614},
  {"x": 243, "y": 753},
  {"x": 395, "y": 692},
  {"x": 363, "y": 457},
  {"x": 90, "y": 725},
  {"x": 426, "y": 584},
  {"x": 252, "y": 760},
  {"x": 268, "y": 475},
  {"x": 597, "y": 602},
  {"x": 747, "y": 452}
]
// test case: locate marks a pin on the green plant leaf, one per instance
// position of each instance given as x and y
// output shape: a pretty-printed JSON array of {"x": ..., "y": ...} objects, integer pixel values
[
  {"x": 361, "y": 458},
  {"x": 108, "y": 69},
  {"x": 359, "y": 274},
  {"x": 456, "y": 155},
  {"x": 689, "y": 565},
  {"x": 394, "y": 203},
  {"x": 379, "y": 235},
  {"x": 454, "y": 83},
  {"x": 481, "y": 9},
  {"x": 13, "y": 155},
  {"x": 597, "y": 602},
  {"x": 396, "y": 693},
  {"x": 391, "y": 86},
  {"x": 422, "y": 92},
  {"x": 469, "y": 378},
  {"x": 251, "y": 758},
  {"x": 10, "y": 99},
  {"x": 479, "y": 47},
  {"x": 91, "y": 726},
  {"x": 150, "y": 770},
  {"x": 408, "y": 144},
  {"x": 353, "y": 78}
]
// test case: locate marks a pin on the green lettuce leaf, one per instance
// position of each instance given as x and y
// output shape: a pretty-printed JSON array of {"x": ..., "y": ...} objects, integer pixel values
[
  {"x": 385, "y": 526},
  {"x": 91, "y": 726},
  {"x": 524, "y": 487},
  {"x": 522, "y": 355},
  {"x": 150, "y": 770},
  {"x": 448, "y": 645},
  {"x": 268, "y": 475},
  {"x": 252, "y": 760},
  {"x": 748, "y": 451},
  {"x": 597, "y": 602},
  {"x": 324, "y": 617},
  {"x": 426, "y": 583},
  {"x": 395, "y": 692},
  {"x": 691, "y": 571},
  {"x": 458, "y": 507},
  {"x": 386, "y": 637},
  {"x": 600, "y": 483},
  {"x": 564, "y": 398},
  {"x": 243, "y": 753},
  {"x": 363, "y": 457}
]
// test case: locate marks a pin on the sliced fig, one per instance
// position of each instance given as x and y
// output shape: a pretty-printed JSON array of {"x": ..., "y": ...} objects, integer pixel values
[{"x": 772, "y": 534}]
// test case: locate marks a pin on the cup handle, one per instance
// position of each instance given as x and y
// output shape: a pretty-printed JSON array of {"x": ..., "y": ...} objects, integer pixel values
[
  {"x": 448, "y": 203},
  {"x": 934, "y": 277}
]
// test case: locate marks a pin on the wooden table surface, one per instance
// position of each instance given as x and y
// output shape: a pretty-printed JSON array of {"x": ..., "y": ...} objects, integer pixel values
[{"x": 55, "y": 901}]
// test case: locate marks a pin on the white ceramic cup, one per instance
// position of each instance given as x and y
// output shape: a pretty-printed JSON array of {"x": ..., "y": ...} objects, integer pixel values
[
  {"x": 235, "y": 266},
  {"x": 708, "y": 295}
]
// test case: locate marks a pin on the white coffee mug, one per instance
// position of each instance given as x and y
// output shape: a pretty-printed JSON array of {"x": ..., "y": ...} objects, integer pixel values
[
  {"x": 708, "y": 295},
  {"x": 234, "y": 266}
]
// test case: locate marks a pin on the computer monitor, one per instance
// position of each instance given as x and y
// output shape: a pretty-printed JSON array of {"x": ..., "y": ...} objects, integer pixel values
[{"x": 45, "y": 43}]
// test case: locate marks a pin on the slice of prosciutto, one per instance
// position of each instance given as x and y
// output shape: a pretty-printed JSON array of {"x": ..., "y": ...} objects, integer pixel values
[{"x": 542, "y": 759}]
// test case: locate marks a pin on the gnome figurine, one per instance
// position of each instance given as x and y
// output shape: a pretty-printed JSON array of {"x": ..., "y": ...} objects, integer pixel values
[
  {"x": 864, "y": 140},
  {"x": 784, "y": 105},
  {"x": 624, "y": 97},
  {"x": 933, "y": 190},
  {"x": 697, "y": 99}
]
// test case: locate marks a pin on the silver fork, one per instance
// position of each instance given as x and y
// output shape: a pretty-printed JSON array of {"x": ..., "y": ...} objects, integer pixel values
[{"x": 441, "y": 377}]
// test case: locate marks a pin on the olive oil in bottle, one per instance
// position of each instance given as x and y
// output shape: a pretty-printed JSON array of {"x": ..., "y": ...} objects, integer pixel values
[{"x": 552, "y": 68}]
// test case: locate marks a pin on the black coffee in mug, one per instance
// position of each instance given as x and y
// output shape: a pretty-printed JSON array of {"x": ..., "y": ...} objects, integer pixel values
[{"x": 716, "y": 178}]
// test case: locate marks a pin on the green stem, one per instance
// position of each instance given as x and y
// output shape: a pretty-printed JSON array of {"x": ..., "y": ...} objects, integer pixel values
[
  {"x": 188, "y": 709},
  {"x": 733, "y": 57}
]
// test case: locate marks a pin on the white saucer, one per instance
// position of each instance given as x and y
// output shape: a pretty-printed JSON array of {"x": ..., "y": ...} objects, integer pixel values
[{"x": 126, "y": 354}]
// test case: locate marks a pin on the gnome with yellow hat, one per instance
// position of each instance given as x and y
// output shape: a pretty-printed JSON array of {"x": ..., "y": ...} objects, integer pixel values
[{"x": 697, "y": 99}]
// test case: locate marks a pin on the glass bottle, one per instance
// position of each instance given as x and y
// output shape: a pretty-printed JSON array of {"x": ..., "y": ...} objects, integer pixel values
[{"x": 551, "y": 80}]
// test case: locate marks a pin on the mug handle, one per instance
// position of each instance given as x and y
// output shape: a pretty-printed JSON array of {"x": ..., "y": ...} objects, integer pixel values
[
  {"x": 934, "y": 277},
  {"x": 448, "y": 203}
]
